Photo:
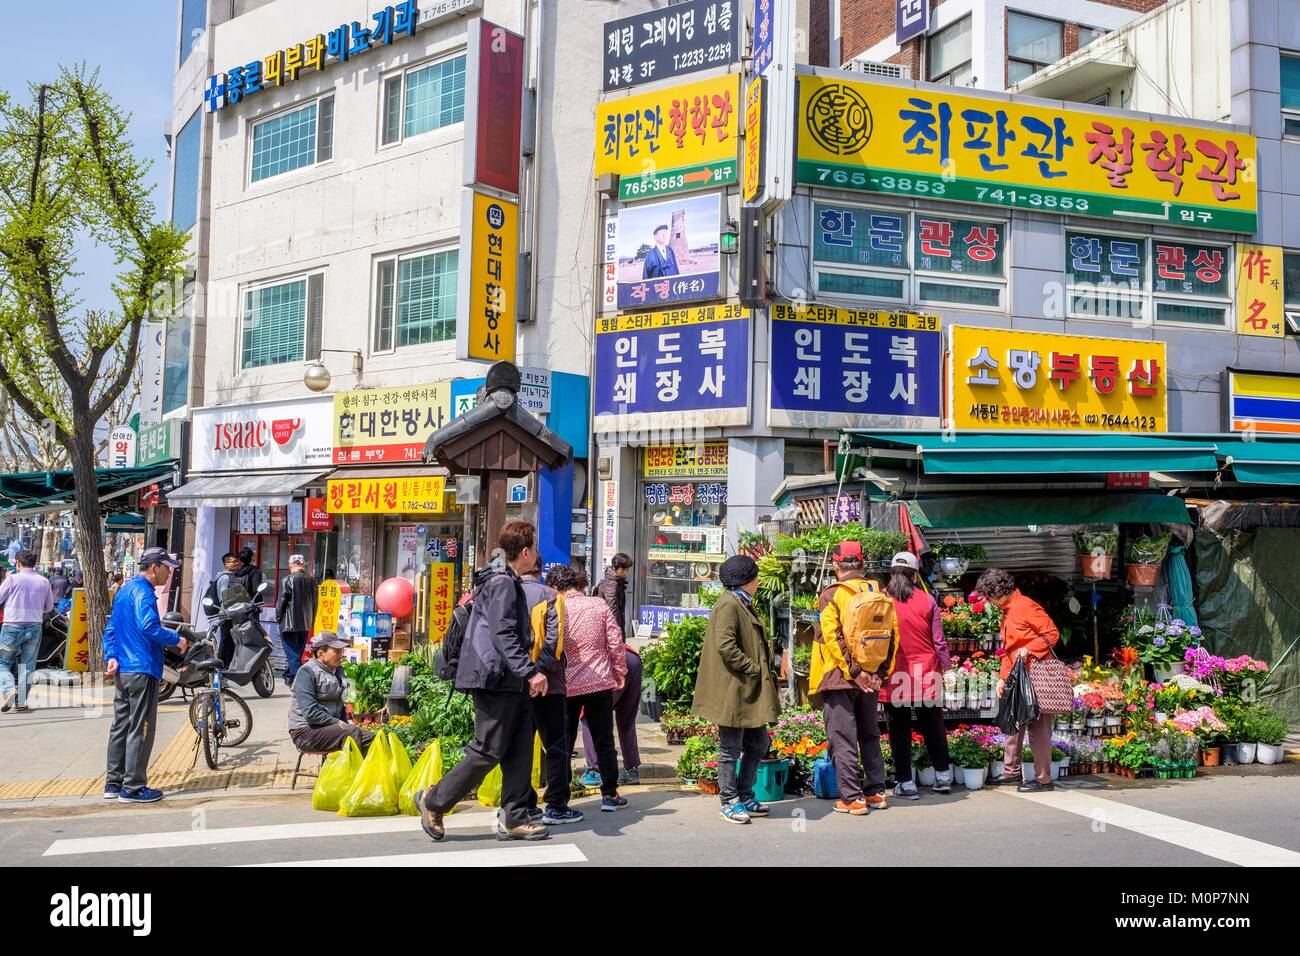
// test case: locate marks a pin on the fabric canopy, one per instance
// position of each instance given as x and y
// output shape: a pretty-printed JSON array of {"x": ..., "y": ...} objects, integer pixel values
[
  {"x": 235, "y": 491},
  {"x": 45, "y": 492},
  {"x": 1262, "y": 462},
  {"x": 994, "y": 511}
]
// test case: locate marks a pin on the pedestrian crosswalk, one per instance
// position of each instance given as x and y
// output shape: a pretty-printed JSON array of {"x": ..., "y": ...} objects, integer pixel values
[{"x": 299, "y": 844}]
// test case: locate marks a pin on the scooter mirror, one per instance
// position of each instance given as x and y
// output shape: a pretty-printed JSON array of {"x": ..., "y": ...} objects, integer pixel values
[
  {"x": 264, "y": 586},
  {"x": 208, "y": 603}
]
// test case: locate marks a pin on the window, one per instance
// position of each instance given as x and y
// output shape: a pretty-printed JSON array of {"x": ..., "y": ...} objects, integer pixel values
[
  {"x": 424, "y": 99},
  {"x": 1291, "y": 291},
  {"x": 176, "y": 356},
  {"x": 948, "y": 54},
  {"x": 890, "y": 255},
  {"x": 416, "y": 299},
  {"x": 282, "y": 322},
  {"x": 194, "y": 17},
  {"x": 185, "y": 174},
  {"x": 1139, "y": 279},
  {"x": 1090, "y": 34},
  {"x": 1032, "y": 43},
  {"x": 1291, "y": 94},
  {"x": 292, "y": 140}
]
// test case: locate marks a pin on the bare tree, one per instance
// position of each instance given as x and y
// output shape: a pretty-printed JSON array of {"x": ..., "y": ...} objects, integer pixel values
[{"x": 67, "y": 174}]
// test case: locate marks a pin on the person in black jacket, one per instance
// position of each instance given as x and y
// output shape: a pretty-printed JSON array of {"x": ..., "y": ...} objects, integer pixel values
[
  {"x": 248, "y": 573},
  {"x": 295, "y": 612},
  {"x": 496, "y": 668},
  {"x": 613, "y": 588}
]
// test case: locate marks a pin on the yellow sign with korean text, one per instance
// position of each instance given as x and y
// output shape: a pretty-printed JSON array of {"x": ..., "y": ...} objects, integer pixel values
[
  {"x": 374, "y": 496},
  {"x": 388, "y": 424},
  {"x": 485, "y": 321},
  {"x": 931, "y": 144},
  {"x": 753, "y": 179},
  {"x": 329, "y": 598},
  {"x": 1259, "y": 291},
  {"x": 863, "y": 318},
  {"x": 705, "y": 460},
  {"x": 671, "y": 318},
  {"x": 442, "y": 598},
  {"x": 1009, "y": 379},
  {"x": 670, "y": 140},
  {"x": 78, "y": 656}
]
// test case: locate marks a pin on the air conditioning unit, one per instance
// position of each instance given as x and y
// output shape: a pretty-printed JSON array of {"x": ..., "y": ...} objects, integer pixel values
[{"x": 899, "y": 71}]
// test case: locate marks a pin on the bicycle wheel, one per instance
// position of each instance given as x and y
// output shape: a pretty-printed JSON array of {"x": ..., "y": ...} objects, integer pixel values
[
  {"x": 203, "y": 714},
  {"x": 237, "y": 719}
]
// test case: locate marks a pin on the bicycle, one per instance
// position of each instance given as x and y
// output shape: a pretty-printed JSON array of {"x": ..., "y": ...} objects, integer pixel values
[{"x": 219, "y": 716}]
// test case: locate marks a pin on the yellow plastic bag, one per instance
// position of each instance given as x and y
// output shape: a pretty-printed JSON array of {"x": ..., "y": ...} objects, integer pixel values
[
  {"x": 400, "y": 759},
  {"x": 374, "y": 792},
  {"x": 426, "y": 772},
  {"x": 489, "y": 791},
  {"x": 537, "y": 762},
  {"x": 336, "y": 776}
]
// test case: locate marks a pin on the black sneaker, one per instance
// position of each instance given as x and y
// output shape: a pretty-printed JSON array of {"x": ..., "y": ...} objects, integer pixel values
[
  {"x": 535, "y": 815},
  {"x": 555, "y": 818},
  {"x": 1033, "y": 786},
  {"x": 610, "y": 804},
  {"x": 112, "y": 791}
]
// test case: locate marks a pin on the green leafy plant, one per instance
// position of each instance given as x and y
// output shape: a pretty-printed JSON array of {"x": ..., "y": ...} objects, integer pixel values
[
  {"x": 699, "y": 751},
  {"x": 1264, "y": 727},
  {"x": 709, "y": 594},
  {"x": 371, "y": 682},
  {"x": 675, "y": 662},
  {"x": 805, "y": 601},
  {"x": 1148, "y": 549},
  {"x": 965, "y": 752},
  {"x": 1103, "y": 540},
  {"x": 876, "y": 545},
  {"x": 955, "y": 549}
]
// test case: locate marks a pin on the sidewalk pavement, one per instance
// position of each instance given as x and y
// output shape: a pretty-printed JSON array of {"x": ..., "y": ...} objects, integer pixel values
[{"x": 55, "y": 753}]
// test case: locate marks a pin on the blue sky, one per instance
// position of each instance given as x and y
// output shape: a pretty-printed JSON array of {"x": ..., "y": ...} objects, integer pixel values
[{"x": 133, "y": 42}]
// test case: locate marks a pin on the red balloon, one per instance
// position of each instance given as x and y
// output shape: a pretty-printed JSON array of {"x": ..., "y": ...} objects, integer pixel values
[{"x": 396, "y": 596}]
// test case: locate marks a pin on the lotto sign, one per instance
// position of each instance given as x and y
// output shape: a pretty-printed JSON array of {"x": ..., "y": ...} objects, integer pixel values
[
  {"x": 843, "y": 368},
  {"x": 442, "y": 598},
  {"x": 388, "y": 424},
  {"x": 880, "y": 138},
  {"x": 1000, "y": 378},
  {"x": 485, "y": 324},
  {"x": 371, "y": 496},
  {"x": 1259, "y": 291},
  {"x": 680, "y": 368},
  {"x": 671, "y": 140}
]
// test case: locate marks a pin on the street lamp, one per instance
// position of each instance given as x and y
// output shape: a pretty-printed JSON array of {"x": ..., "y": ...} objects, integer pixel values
[{"x": 317, "y": 377}]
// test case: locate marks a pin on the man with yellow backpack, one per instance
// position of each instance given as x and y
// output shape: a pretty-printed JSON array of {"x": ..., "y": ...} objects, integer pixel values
[{"x": 853, "y": 654}]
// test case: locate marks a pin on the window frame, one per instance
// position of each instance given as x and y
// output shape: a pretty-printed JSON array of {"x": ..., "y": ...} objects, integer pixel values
[
  {"x": 324, "y": 125},
  {"x": 196, "y": 117},
  {"x": 182, "y": 53},
  {"x": 1036, "y": 64},
  {"x": 948, "y": 75},
  {"x": 311, "y": 334},
  {"x": 403, "y": 75},
  {"x": 1290, "y": 115},
  {"x": 912, "y": 275},
  {"x": 1147, "y": 296},
  {"x": 1101, "y": 32},
  {"x": 396, "y": 258}
]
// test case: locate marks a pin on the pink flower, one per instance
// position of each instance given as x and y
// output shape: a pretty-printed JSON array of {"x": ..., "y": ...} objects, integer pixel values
[{"x": 1132, "y": 707}]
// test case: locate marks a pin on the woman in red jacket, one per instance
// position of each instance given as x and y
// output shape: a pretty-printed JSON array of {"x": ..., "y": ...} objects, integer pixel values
[{"x": 913, "y": 695}]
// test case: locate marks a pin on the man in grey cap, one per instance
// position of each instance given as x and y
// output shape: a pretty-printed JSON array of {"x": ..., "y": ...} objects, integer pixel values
[
  {"x": 133, "y": 641},
  {"x": 317, "y": 718}
]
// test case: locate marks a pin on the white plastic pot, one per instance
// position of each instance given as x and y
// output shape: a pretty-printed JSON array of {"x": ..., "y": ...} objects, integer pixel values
[
  {"x": 925, "y": 777},
  {"x": 973, "y": 777},
  {"x": 1027, "y": 772},
  {"x": 1270, "y": 753},
  {"x": 997, "y": 769},
  {"x": 1246, "y": 753}
]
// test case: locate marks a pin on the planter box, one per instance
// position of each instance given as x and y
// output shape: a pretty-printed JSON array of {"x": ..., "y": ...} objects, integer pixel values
[
  {"x": 1096, "y": 567},
  {"x": 1270, "y": 753},
  {"x": 1143, "y": 575}
]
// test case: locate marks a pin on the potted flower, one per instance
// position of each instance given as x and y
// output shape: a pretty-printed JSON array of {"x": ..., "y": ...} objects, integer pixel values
[
  {"x": 1060, "y": 758},
  {"x": 966, "y": 753},
  {"x": 1097, "y": 548},
  {"x": 708, "y": 778},
  {"x": 699, "y": 762},
  {"x": 1145, "y": 552},
  {"x": 1264, "y": 732},
  {"x": 1110, "y": 751},
  {"x": 800, "y": 737},
  {"x": 921, "y": 764},
  {"x": 1205, "y": 724}
]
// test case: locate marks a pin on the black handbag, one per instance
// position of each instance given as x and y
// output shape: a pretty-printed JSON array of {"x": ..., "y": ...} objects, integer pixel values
[{"x": 1018, "y": 706}]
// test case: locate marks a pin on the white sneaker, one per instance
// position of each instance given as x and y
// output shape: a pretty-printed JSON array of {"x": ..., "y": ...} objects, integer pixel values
[
  {"x": 907, "y": 790},
  {"x": 943, "y": 781}
]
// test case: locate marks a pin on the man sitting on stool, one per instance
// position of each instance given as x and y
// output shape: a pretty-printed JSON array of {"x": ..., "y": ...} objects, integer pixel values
[{"x": 317, "y": 719}]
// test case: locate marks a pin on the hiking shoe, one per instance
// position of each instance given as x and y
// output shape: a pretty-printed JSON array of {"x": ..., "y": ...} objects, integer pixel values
[
  {"x": 526, "y": 831},
  {"x": 756, "y": 809},
  {"x": 555, "y": 818},
  {"x": 610, "y": 804},
  {"x": 1033, "y": 786},
  {"x": 878, "y": 801},
  {"x": 139, "y": 795},
  {"x": 430, "y": 822},
  {"x": 629, "y": 777},
  {"x": 907, "y": 790},
  {"x": 112, "y": 791},
  {"x": 857, "y": 808},
  {"x": 942, "y": 782},
  {"x": 591, "y": 778},
  {"x": 9, "y": 701},
  {"x": 736, "y": 813}
]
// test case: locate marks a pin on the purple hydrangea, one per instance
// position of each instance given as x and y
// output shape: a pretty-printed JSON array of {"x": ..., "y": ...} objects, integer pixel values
[{"x": 1159, "y": 642}]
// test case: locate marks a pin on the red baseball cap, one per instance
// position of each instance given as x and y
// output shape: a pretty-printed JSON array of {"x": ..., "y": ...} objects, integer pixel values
[{"x": 847, "y": 551}]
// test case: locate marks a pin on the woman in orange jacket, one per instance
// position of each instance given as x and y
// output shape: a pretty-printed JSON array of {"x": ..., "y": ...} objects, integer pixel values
[{"x": 1027, "y": 631}]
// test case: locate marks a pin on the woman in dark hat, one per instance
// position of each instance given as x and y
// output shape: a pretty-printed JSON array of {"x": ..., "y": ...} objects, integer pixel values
[{"x": 736, "y": 688}]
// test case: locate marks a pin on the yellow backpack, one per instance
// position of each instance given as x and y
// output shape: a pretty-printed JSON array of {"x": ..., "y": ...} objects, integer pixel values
[
  {"x": 867, "y": 625},
  {"x": 540, "y": 614}
]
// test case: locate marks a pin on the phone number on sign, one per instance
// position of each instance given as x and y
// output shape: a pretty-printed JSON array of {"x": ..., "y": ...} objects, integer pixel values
[
  {"x": 929, "y": 186},
  {"x": 718, "y": 53},
  {"x": 1140, "y": 422}
]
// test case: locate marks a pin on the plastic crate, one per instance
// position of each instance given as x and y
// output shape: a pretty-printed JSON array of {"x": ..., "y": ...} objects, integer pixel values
[{"x": 769, "y": 783}]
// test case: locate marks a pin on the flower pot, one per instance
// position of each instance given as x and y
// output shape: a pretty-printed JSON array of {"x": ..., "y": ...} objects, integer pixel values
[
  {"x": 1143, "y": 575},
  {"x": 1114, "y": 724},
  {"x": 1228, "y": 755},
  {"x": 952, "y": 567},
  {"x": 1270, "y": 753},
  {"x": 1094, "y": 767},
  {"x": 925, "y": 777},
  {"x": 709, "y": 786},
  {"x": 1096, "y": 566},
  {"x": 1246, "y": 753},
  {"x": 1059, "y": 768},
  {"x": 997, "y": 769},
  {"x": 973, "y": 777},
  {"x": 1078, "y": 722},
  {"x": 1165, "y": 672},
  {"x": 1061, "y": 726},
  {"x": 1026, "y": 771}
]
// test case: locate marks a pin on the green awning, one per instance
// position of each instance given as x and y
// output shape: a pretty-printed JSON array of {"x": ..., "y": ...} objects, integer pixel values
[
  {"x": 1004, "y": 511},
  {"x": 1262, "y": 462},
  {"x": 125, "y": 523},
  {"x": 44, "y": 492},
  {"x": 996, "y": 453}
]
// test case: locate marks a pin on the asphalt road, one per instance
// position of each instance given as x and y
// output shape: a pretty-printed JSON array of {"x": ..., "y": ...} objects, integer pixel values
[{"x": 1212, "y": 821}]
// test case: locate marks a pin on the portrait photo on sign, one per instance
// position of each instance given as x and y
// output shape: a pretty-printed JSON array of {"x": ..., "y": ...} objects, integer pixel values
[{"x": 668, "y": 251}]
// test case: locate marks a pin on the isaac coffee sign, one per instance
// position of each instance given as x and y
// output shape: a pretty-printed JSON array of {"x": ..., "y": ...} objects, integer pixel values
[{"x": 263, "y": 435}]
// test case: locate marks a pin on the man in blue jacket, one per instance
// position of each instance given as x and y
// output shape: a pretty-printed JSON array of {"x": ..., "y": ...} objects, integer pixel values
[
  {"x": 660, "y": 262},
  {"x": 133, "y": 641}
]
